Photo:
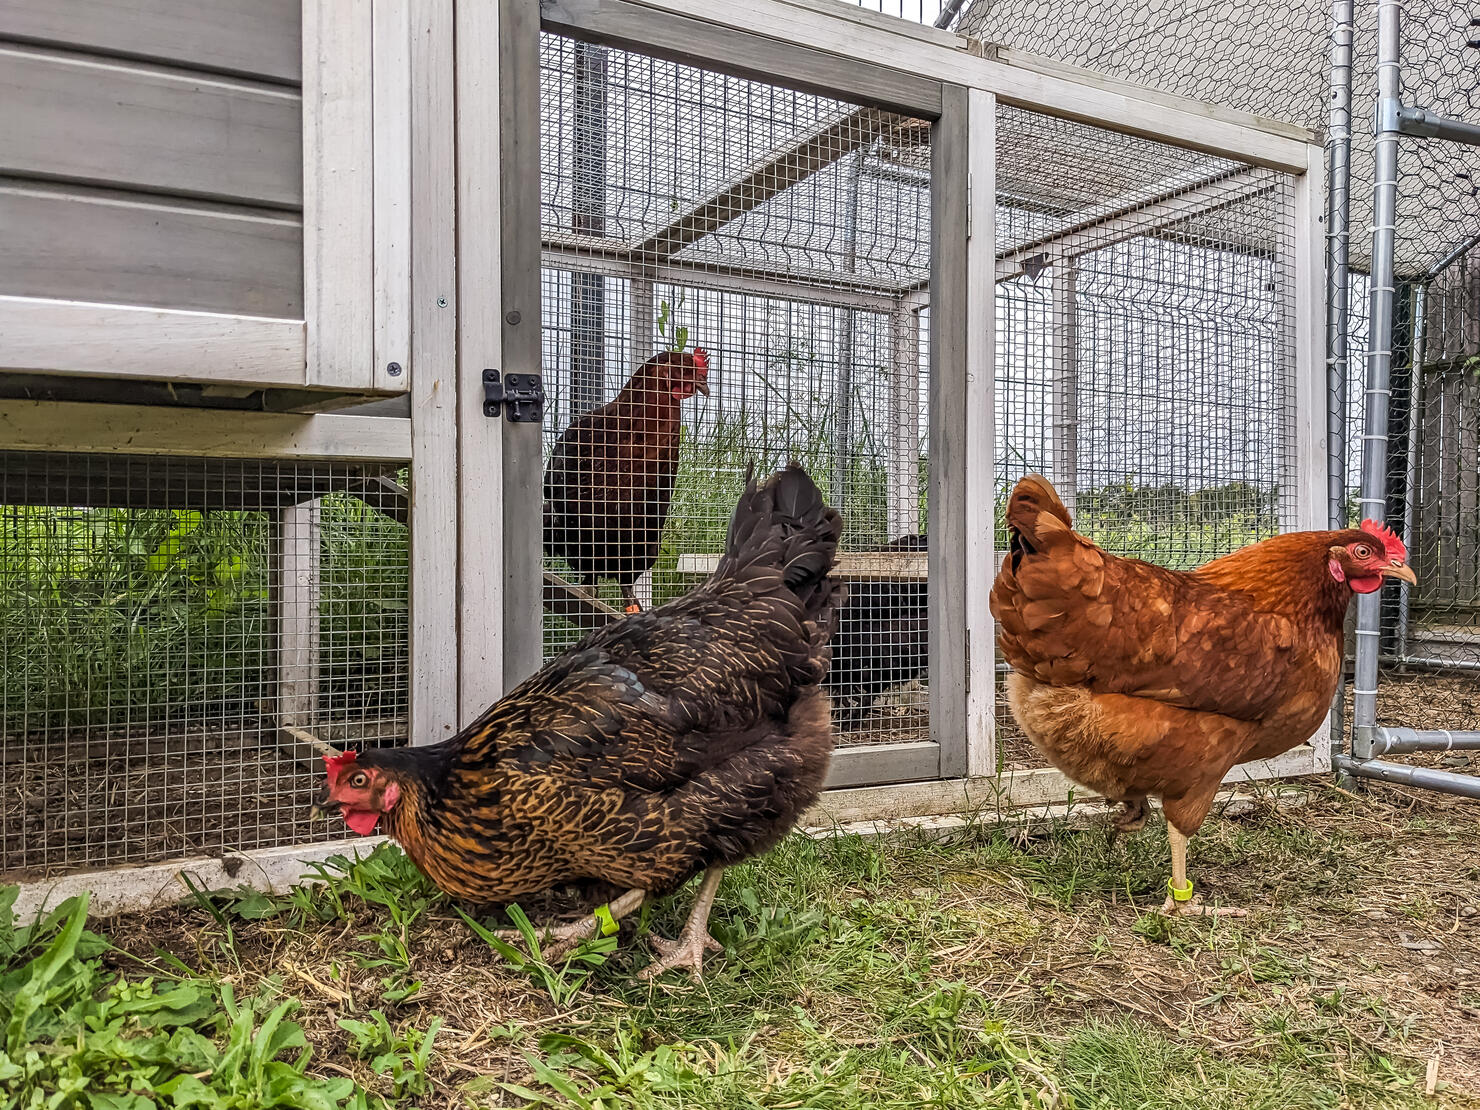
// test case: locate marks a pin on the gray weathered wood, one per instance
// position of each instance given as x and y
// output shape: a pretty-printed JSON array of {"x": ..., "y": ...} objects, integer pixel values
[
  {"x": 133, "y": 126},
  {"x": 434, "y": 502},
  {"x": 339, "y": 194},
  {"x": 950, "y": 286},
  {"x": 79, "y": 244},
  {"x": 480, "y": 447},
  {"x": 70, "y": 337},
  {"x": 257, "y": 38},
  {"x": 742, "y": 53},
  {"x": 869, "y": 764},
  {"x": 523, "y": 458},
  {"x": 296, "y": 606}
]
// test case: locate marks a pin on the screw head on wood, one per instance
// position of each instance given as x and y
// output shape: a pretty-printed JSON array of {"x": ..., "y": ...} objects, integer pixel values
[
  {"x": 441, "y": 302},
  {"x": 393, "y": 369},
  {"x": 513, "y": 317}
]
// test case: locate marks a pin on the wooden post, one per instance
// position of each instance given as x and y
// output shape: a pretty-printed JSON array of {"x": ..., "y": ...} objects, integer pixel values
[
  {"x": 296, "y": 566},
  {"x": 1064, "y": 465},
  {"x": 903, "y": 465}
]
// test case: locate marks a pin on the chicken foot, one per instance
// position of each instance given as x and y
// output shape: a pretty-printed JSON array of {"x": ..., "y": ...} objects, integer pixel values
[
  {"x": 629, "y": 600},
  {"x": 688, "y": 950},
  {"x": 566, "y": 938},
  {"x": 1187, "y": 905},
  {"x": 1130, "y": 819}
]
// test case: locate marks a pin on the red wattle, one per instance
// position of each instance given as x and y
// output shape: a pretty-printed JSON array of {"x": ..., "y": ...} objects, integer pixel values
[{"x": 361, "y": 821}]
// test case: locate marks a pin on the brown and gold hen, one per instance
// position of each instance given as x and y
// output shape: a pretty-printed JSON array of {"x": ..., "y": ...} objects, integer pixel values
[
  {"x": 1135, "y": 680},
  {"x": 679, "y": 740}
]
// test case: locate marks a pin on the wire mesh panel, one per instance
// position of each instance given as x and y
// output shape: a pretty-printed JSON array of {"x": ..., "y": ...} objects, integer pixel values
[
  {"x": 1434, "y": 413},
  {"x": 1145, "y": 353},
  {"x": 735, "y": 275},
  {"x": 164, "y": 624}
]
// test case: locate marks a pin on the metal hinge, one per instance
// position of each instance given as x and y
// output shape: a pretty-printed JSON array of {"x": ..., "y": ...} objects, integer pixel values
[
  {"x": 968, "y": 660},
  {"x": 521, "y": 397},
  {"x": 969, "y": 185}
]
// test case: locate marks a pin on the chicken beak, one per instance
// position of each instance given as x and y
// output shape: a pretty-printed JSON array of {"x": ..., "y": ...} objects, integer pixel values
[
  {"x": 1401, "y": 571},
  {"x": 320, "y": 809},
  {"x": 701, "y": 387}
]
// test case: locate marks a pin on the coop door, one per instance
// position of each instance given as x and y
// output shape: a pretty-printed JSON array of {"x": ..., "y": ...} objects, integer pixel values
[{"x": 736, "y": 275}]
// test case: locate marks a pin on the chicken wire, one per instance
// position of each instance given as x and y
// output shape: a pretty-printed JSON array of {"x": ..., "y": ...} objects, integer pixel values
[
  {"x": 1145, "y": 343},
  {"x": 162, "y": 619},
  {"x": 788, "y": 236}
]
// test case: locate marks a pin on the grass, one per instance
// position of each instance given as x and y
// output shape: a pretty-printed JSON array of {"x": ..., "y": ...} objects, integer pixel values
[{"x": 994, "y": 968}]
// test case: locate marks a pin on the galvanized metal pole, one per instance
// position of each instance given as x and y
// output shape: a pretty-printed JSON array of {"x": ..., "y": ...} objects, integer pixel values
[
  {"x": 1338, "y": 292},
  {"x": 1379, "y": 360},
  {"x": 1338, "y": 242}
]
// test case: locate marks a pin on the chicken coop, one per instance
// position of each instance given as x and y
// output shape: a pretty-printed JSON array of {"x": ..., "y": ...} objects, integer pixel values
[{"x": 300, "y": 310}]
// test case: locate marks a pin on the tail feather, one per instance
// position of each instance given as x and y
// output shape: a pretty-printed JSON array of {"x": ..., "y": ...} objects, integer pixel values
[
  {"x": 784, "y": 523},
  {"x": 1035, "y": 514}
]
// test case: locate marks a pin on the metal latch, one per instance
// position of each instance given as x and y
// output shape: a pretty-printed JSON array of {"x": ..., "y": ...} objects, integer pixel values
[{"x": 520, "y": 396}]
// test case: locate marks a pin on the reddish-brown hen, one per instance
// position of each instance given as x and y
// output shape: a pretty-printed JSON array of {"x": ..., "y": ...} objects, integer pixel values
[
  {"x": 609, "y": 481},
  {"x": 679, "y": 740},
  {"x": 1135, "y": 680}
]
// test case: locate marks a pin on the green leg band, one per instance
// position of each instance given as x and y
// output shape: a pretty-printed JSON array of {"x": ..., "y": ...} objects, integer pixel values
[{"x": 1180, "y": 894}]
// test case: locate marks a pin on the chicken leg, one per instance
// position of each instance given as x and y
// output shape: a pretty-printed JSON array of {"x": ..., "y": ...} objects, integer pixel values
[
  {"x": 688, "y": 950},
  {"x": 568, "y": 937},
  {"x": 1180, "y": 901}
]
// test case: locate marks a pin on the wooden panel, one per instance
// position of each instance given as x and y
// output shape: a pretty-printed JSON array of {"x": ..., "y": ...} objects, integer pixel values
[
  {"x": 68, "y": 337},
  {"x": 88, "y": 245},
  {"x": 391, "y": 97},
  {"x": 116, "y": 123},
  {"x": 740, "y": 52},
  {"x": 339, "y": 194},
  {"x": 259, "y": 38}
]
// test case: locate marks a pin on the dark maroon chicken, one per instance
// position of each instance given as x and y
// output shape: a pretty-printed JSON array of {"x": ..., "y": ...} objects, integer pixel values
[
  {"x": 609, "y": 482},
  {"x": 679, "y": 740}
]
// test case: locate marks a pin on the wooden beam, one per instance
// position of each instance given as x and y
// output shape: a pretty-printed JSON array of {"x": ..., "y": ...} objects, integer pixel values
[
  {"x": 786, "y": 167},
  {"x": 296, "y": 579},
  {"x": 904, "y": 566},
  {"x": 746, "y": 49},
  {"x": 215, "y": 433}
]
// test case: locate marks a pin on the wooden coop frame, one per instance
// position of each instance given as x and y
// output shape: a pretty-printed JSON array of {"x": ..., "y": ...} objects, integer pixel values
[{"x": 419, "y": 152}]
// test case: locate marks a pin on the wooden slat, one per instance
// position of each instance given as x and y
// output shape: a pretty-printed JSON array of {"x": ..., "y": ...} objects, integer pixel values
[
  {"x": 902, "y": 565},
  {"x": 79, "y": 244},
  {"x": 742, "y": 52},
  {"x": 297, "y": 571},
  {"x": 257, "y": 38},
  {"x": 339, "y": 194},
  {"x": 155, "y": 430},
  {"x": 130, "y": 126},
  {"x": 68, "y": 337},
  {"x": 392, "y": 186}
]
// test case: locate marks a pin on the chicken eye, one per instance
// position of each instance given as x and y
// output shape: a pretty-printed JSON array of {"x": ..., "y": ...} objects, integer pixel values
[
  {"x": 1362, "y": 551},
  {"x": 359, "y": 780}
]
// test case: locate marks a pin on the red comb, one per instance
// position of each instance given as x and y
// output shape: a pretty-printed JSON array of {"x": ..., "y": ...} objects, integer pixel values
[
  {"x": 701, "y": 358},
  {"x": 1396, "y": 549},
  {"x": 336, "y": 763}
]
